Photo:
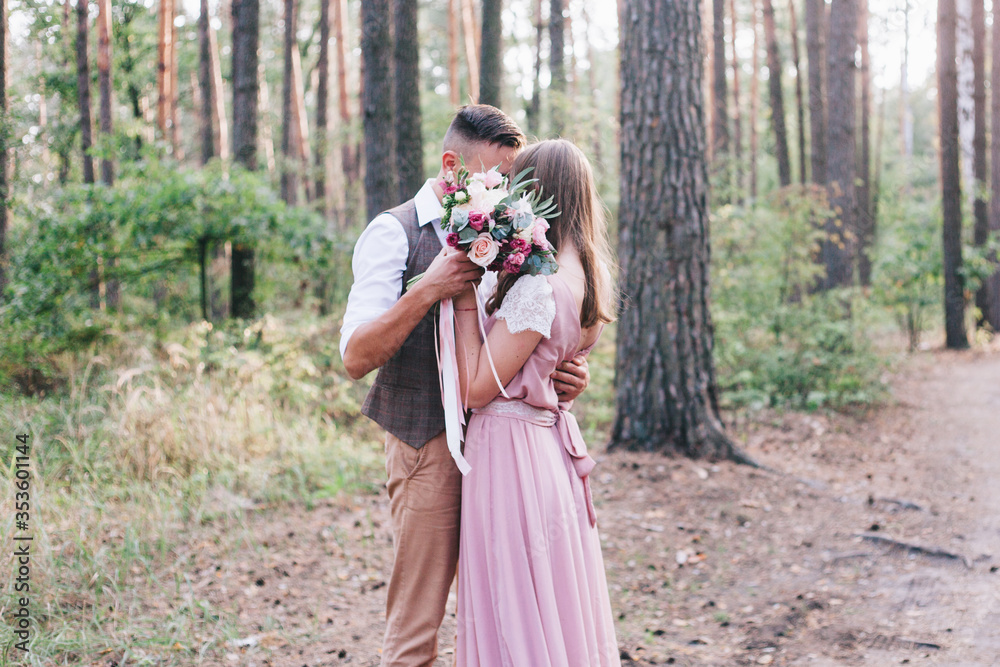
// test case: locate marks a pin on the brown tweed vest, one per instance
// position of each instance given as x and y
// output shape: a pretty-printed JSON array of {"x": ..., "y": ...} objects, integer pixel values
[{"x": 405, "y": 398}]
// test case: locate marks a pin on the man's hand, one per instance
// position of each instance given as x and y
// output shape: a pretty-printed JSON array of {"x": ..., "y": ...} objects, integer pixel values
[
  {"x": 571, "y": 378},
  {"x": 449, "y": 274}
]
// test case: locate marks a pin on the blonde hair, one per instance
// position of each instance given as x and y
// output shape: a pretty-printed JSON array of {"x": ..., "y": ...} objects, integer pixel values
[{"x": 564, "y": 173}]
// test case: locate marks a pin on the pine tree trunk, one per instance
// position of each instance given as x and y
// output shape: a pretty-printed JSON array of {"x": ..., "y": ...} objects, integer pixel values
[
  {"x": 409, "y": 143},
  {"x": 754, "y": 100},
  {"x": 491, "y": 56},
  {"x": 4, "y": 148},
  {"x": 104, "y": 81},
  {"x": 866, "y": 221},
  {"x": 557, "y": 66},
  {"x": 289, "y": 159},
  {"x": 774, "y": 68},
  {"x": 980, "y": 206},
  {"x": 992, "y": 309},
  {"x": 816, "y": 50},
  {"x": 720, "y": 112},
  {"x": 300, "y": 124},
  {"x": 164, "y": 60},
  {"x": 246, "y": 90},
  {"x": 83, "y": 89},
  {"x": 737, "y": 114},
  {"x": 471, "y": 51},
  {"x": 348, "y": 157},
  {"x": 535, "y": 108},
  {"x": 205, "y": 84},
  {"x": 381, "y": 188},
  {"x": 175, "y": 143},
  {"x": 666, "y": 391},
  {"x": 905, "y": 113},
  {"x": 799, "y": 104},
  {"x": 951, "y": 193},
  {"x": 220, "y": 123},
  {"x": 264, "y": 105},
  {"x": 322, "y": 108},
  {"x": 836, "y": 250}
]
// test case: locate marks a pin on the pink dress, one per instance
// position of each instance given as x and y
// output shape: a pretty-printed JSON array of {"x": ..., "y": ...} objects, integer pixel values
[{"x": 532, "y": 591}]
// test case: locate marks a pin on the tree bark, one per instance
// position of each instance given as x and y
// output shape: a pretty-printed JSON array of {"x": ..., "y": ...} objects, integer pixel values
[
  {"x": 774, "y": 70},
  {"x": 951, "y": 193},
  {"x": 491, "y": 56},
  {"x": 836, "y": 250},
  {"x": 454, "y": 85},
  {"x": 264, "y": 105},
  {"x": 219, "y": 120},
  {"x": 175, "y": 143},
  {"x": 905, "y": 113},
  {"x": 557, "y": 66},
  {"x": 406, "y": 77},
  {"x": 737, "y": 114},
  {"x": 816, "y": 48},
  {"x": 300, "y": 124},
  {"x": 246, "y": 89},
  {"x": 289, "y": 166},
  {"x": 992, "y": 309},
  {"x": 754, "y": 100},
  {"x": 205, "y": 85},
  {"x": 83, "y": 89},
  {"x": 348, "y": 158},
  {"x": 322, "y": 106},
  {"x": 799, "y": 105},
  {"x": 535, "y": 108},
  {"x": 666, "y": 391},
  {"x": 980, "y": 206},
  {"x": 163, "y": 66},
  {"x": 471, "y": 51},
  {"x": 866, "y": 221},
  {"x": 104, "y": 84},
  {"x": 720, "y": 112},
  {"x": 4, "y": 147},
  {"x": 381, "y": 188}
]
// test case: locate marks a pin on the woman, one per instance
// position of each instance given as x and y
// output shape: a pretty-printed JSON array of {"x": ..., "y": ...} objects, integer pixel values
[{"x": 532, "y": 590}]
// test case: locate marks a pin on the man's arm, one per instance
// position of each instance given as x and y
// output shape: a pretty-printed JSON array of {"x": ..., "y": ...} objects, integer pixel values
[
  {"x": 374, "y": 342},
  {"x": 571, "y": 378}
]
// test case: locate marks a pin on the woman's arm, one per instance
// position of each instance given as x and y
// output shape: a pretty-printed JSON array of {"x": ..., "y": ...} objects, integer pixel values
[{"x": 509, "y": 350}]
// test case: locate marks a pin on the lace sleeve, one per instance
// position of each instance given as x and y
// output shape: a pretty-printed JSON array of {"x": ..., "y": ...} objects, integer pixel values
[{"x": 529, "y": 304}]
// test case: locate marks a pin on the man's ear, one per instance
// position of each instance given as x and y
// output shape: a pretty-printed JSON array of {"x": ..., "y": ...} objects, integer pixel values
[{"x": 450, "y": 161}]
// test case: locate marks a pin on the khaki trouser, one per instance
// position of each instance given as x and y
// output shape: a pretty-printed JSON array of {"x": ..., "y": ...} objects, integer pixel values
[{"x": 425, "y": 497}]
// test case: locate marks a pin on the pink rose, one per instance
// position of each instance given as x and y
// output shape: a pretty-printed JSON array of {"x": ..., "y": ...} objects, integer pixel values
[
  {"x": 538, "y": 236},
  {"x": 452, "y": 240},
  {"x": 477, "y": 219},
  {"x": 493, "y": 178},
  {"x": 483, "y": 250},
  {"x": 520, "y": 245},
  {"x": 513, "y": 263}
]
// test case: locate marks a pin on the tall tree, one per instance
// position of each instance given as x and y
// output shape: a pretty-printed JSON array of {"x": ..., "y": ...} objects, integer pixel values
[
  {"x": 799, "y": 105},
  {"x": 535, "y": 107},
  {"x": 754, "y": 98},
  {"x": 836, "y": 249},
  {"x": 816, "y": 50},
  {"x": 951, "y": 192},
  {"x": 454, "y": 86},
  {"x": 666, "y": 391},
  {"x": 491, "y": 56},
  {"x": 406, "y": 77},
  {"x": 289, "y": 167},
  {"x": 720, "y": 112},
  {"x": 992, "y": 309},
  {"x": 164, "y": 65},
  {"x": 246, "y": 37},
  {"x": 557, "y": 64},
  {"x": 348, "y": 157},
  {"x": 4, "y": 145},
  {"x": 737, "y": 119},
  {"x": 83, "y": 88},
  {"x": 322, "y": 106},
  {"x": 980, "y": 208},
  {"x": 205, "y": 75},
  {"x": 104, "y": 83},
  {"x": 866, "y": 220},
  {"x": 471, "y": 50},
  {"x": 774, "y": 69},
  {"x": 381, "y": 189}
]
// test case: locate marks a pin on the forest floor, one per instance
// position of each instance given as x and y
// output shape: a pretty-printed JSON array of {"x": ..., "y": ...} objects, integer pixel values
[{"x": 708, "y": 564}]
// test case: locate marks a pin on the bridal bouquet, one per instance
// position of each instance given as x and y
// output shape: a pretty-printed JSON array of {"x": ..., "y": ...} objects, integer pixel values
[{"x": 500, "y": 225}]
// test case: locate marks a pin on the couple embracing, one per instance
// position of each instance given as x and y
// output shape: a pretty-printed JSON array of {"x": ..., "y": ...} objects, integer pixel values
[{"x": 519, "y": 528}]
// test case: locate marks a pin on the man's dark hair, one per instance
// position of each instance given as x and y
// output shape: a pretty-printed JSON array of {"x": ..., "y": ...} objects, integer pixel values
[{"x": 482, "y": 123}]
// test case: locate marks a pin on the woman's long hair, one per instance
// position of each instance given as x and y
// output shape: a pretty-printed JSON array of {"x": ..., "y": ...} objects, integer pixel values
[{"x": 564, "y": 172}]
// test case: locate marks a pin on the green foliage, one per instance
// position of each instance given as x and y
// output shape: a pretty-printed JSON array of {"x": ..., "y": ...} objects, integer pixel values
[{"x": 777, "y": 343}]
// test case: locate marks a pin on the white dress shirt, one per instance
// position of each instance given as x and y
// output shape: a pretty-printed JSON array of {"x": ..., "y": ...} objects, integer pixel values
[{"x": 380, "y": 260}]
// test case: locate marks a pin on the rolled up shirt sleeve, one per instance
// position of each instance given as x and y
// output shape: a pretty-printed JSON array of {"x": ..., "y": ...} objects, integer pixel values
[{"x": 378, "y": 264}]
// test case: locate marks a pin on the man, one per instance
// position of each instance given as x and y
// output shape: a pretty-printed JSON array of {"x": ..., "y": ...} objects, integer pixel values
[{"x": 389, "y": 327}]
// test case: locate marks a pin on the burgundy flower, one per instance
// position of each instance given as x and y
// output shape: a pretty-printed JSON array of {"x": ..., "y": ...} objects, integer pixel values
[{"x": 452, "y": 239}]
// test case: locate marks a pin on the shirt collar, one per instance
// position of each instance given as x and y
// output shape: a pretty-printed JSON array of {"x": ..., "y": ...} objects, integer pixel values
[{"x": 427, "y": 204}]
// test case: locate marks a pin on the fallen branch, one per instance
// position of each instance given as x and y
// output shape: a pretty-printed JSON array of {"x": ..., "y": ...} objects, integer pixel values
[
  {"x": 933, "y": 552},
  {"x": 902, "y": 504}
]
